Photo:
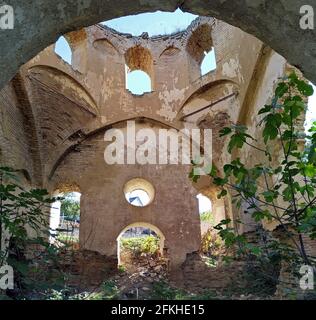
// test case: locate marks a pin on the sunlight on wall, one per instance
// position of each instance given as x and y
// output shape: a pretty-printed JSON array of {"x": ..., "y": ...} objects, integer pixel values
[{"x": 63, "y": 49}]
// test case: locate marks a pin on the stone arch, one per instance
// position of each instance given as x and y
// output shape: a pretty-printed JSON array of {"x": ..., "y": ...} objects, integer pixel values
[
  {"x": 266, "y": 26},
  {"x": 89, "y": 132},
  {"x": 105, "y": 46},
  {"x": 139, "y": 58},
  {"x": 150, "y": 226},
  {"x": 55, "y": 209},
  {"x": 212, "y": 93},
  {"x": 67, "y": 84},
  {"x": 66, "y": 187},
  {"x": 77, "y": 41},
  {"x": 169, "y": 54},
  {"x": 75, "y": 38},
  {"x": 199, "y": 42},
  {"x": 218, "y": 205}
]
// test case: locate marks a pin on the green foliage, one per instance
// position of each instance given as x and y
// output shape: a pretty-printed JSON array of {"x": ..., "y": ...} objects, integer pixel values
[
  {"x": 70, "y": 207},
  {"x": 110, "y": 291},
  {"x": 282, "y": 186},
  {"x": 212, "y": 245},
  {"x": 20, "y": 210},
  {"x": 121, "y": 269},
  {"x": 163, "y": 291},
  {"x": 207, "y": 217},
  {"x": 67, "y": 239},
  {"x": 22, "y": 213},
  {"x": 138, "y": 245}
]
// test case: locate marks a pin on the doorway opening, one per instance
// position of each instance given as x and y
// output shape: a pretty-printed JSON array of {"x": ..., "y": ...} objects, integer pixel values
[
  {"x": 65, "y": 220},
  {"x": 141, "y": 245}
]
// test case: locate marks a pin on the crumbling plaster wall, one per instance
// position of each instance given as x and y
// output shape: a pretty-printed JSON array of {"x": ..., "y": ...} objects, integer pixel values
[
  {"x": 174, "y": 94},
  {"x": 269, "y": 69},
  {"x": 105, "y": 212},
  {"x": 38, "y": 24},
  {"x": 74, "y": 105}
]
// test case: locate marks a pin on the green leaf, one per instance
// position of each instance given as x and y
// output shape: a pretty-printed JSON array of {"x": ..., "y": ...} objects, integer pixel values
[
  {"x": 236, "y": 141},
  {"x": 281, "y": 89},
  {"x": 267, "y": 108},
  {"x": 223, "y": 193},
  {"x": 310, "y": 170},
  {"x": 305, "y": 88},
  {"x": 269, "y": 195},
  {"x": 269, "y": 133},
  {"x": 225, "y": 131}
]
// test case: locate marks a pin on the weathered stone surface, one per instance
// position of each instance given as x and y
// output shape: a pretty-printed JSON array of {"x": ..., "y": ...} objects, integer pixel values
[
  {"x": 54, "y": 117},
  {"x": 39, "y": 23}
]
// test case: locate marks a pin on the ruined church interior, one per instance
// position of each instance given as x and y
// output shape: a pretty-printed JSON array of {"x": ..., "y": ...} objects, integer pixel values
[{"x": 140, "y": 226}]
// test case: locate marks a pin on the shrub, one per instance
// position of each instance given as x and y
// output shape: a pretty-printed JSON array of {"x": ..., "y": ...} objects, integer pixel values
[
  {"x": 212, "y": 244},
  {"x": 138, "y": 245},
  {"x": 207, "y": 217}
]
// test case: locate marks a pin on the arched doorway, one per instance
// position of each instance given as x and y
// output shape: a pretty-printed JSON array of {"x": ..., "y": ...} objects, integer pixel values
[
  {"x": 64, "y": 219},
  {"x": 140, "y": 238},
  {"x": 206, "y": 214}
]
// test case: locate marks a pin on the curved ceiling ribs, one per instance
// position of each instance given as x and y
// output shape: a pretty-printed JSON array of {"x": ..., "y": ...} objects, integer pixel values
[
  {"x": 65, "y": 149},
  {"x": 62, "y": 83},
  {"x": 211, "y": 93},
  {"x": 30, "y": 122},
  {"x": 61, "y": 106},
  {"x": 67, "y": 105},
  {"x": 217, "y": 88}
]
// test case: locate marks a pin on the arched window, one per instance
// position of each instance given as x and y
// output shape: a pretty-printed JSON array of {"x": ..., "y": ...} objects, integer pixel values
[
  {"x": 62, "y": 48},
  {"x": 139, "y": 192},
  {"x": 205, "y": 211},
  {"x": 209, "y": 62},
  {"x": 139, "y": 70},
  {"x": 138, "y": 82}
]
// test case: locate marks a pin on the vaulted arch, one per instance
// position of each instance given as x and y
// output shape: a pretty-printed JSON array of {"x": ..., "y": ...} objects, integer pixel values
[{"x": 266, "y": 26}]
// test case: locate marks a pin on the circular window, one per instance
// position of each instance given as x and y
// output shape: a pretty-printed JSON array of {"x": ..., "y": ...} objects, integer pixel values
[{"x": 139, "y": 192}]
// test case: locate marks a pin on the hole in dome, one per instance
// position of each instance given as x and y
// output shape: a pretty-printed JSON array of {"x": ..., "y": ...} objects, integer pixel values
[{"x": 63, "y": 49}]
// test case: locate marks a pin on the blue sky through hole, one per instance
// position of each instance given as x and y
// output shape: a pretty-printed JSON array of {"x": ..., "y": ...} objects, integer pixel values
[
  {"x": 156, "y": 23},
  {"x": 138, "y": 198},
  {"x": 138, "y": 82},
  {"x": 62, "y": 48}
]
